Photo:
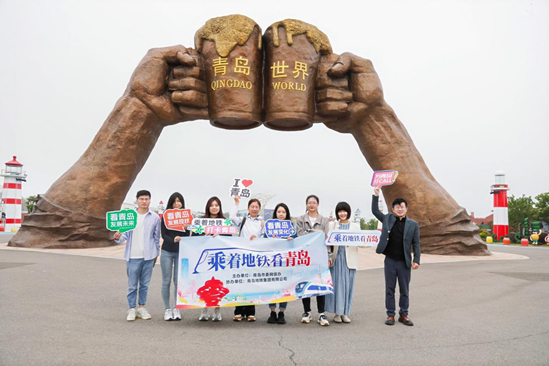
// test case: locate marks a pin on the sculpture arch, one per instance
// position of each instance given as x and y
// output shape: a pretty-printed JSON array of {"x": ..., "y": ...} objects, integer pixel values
[{"x": 168, "y": 87}]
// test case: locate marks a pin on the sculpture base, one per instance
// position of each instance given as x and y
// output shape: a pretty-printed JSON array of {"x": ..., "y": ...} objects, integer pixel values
[
  {"x": 53, "y": 227},
  {"x": 457, "y": 236}
]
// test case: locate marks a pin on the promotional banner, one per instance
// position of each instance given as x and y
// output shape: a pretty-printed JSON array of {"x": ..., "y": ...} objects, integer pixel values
[
  {"x": 233, "y": 271},
  {"x": 279, "y": 228},
  {"x": 354, "y": 238},
  {"x": 384, "y": 178},
  {"x": 176, "y": 219},
  {"x": 122, "y": 221}
]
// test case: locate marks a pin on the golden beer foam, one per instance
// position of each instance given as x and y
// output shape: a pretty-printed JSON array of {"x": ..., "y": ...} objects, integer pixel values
[
  {"x": 296, "y": 27},
  {"x": 226, "y": 32}
]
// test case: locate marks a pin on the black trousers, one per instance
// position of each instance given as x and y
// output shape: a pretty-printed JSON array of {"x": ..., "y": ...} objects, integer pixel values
[
  {"x": 397, "y": 270},
  {"x": 245, "y": 310},
  {"x": 320, "y": 304}
]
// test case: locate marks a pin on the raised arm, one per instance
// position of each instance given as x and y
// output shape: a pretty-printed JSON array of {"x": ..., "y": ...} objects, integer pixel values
[
  {"x": 350, "y": 100},
  {"x": 375, "y": 206},
  {"x": 234, "y": 212},
  {"x": 167, "y": 87}
]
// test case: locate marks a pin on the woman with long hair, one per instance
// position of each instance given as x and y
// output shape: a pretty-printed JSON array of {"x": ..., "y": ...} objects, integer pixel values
[{"x": 169, "y": 258}]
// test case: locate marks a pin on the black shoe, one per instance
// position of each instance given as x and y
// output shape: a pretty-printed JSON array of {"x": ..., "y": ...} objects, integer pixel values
[
  {"x": 272, "y": 318},
  {"x": 281, "y": 319},
  {"x": 390, "y": 320},
  {"x": 405, "y": 320}
]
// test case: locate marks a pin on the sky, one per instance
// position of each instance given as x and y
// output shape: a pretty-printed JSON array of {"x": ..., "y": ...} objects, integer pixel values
[{"x": 469, "y": 80}]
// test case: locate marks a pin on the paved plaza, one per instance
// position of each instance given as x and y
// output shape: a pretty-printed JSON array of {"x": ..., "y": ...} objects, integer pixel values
[{"x": 60, "y": 309}]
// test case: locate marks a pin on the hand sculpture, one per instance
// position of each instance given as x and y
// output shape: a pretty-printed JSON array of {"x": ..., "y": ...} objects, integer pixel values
[
  {"x": 350, "y": 100},
  {"x": 167, "y": 87},
  {"x": 184, "y": 97}
]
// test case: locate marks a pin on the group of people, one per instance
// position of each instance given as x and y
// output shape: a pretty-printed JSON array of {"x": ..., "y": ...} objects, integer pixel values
[{"x": 400, "y": 235}]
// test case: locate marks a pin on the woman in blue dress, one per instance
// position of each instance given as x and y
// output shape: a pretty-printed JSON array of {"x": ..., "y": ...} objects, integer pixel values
[{"x": 344, "y": 261}]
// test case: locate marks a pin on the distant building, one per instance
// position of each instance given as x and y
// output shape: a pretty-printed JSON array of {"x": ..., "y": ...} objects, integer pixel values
[{"x": 482, "y": 222}]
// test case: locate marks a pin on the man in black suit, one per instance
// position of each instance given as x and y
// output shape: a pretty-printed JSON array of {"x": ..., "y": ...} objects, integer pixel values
[{"x": 400, "y": 234}]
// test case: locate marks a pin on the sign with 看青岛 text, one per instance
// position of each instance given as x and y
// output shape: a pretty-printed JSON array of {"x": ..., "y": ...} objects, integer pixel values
[
  {"x": 122, "y": 221},
  {"x": 177, "y": 219}
]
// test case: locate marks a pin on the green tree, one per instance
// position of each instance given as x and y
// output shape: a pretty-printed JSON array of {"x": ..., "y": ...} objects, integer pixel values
[
  {"x": 519, "y": 209},
  {"x": 368, "y": 225},
  {"x": 542, "y": 207},
  {"x": 31, "y": 202}
]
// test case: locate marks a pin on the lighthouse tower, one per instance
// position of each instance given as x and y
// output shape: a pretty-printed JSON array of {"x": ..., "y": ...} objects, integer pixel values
[
  {"x": 501, "y": 214},
  {"x": 11, "y": 195}
]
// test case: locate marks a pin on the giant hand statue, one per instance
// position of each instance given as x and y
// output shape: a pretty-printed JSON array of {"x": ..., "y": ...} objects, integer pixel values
[
  {"x": 167, "y": 87},
  {"x": 350, "y": 100}
]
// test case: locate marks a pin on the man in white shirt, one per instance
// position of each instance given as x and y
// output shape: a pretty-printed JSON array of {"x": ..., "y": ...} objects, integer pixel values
[{"x": 142, "y": 248}]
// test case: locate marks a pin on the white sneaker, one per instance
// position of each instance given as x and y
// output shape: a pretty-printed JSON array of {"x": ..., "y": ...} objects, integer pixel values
[
  {"x": 143, "y": 314},
  {"x": 176, "y": 314},
  {"x": 204, "y": 315},
  {"x": 306, "y": 318},
  {"x": 131, "y": 315},
  {"x": 345, "y": 319},
  {"x": 323, "y": 320},
  {"x": 168, "y": 315},
  {"x": 217, "y": 315},
  {"x": 337, "y": 319}
]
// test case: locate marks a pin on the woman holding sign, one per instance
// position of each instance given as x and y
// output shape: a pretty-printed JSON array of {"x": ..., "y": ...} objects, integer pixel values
[
  {"x": 344, "y": 263},
  {"x": 169, "y": 258},
  {"x": 251, "y": 227},
  {"x": 306, "y": 224},
  {"x": 215, "y": 211},
  {"x": 281, "y": 212}
]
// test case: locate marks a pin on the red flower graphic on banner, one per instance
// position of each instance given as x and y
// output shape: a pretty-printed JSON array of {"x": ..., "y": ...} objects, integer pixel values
[{"x": 212, "y": 292}]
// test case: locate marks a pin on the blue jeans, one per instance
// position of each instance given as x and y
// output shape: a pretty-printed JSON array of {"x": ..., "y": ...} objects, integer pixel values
[
  {"x": 139, "y": 273},
  {"x": 281, "y": 305},
  {"x": 168, "y": 262}
]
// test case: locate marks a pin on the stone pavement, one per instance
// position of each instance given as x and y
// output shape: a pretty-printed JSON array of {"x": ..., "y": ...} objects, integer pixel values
[{"x": 70, "y": 310}]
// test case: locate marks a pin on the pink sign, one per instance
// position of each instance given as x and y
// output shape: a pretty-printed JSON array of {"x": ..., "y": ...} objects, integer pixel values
[
  {"x": 384, "y": 178},
  {"x": 177, "y": 219},
  {"x": 212, "y": 230}
]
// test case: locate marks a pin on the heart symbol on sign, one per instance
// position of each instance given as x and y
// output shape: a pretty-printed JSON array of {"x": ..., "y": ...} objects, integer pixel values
[{"x": 247, "y": 182}]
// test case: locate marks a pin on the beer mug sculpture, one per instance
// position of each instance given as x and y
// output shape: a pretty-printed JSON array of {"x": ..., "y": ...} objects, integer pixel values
[
  {"x": 230, "y": 47},
  {"x": 292, "y": 55}
]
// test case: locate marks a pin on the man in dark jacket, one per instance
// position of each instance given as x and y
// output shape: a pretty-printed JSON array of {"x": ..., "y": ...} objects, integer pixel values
[{"x": 400, "y": 234}]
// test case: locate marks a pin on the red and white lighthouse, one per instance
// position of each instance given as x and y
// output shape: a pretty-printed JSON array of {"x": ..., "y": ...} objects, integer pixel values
[
  {"x": 11, "y": 195},
  {"x": 501, "y": 214}
]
